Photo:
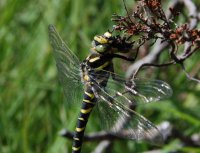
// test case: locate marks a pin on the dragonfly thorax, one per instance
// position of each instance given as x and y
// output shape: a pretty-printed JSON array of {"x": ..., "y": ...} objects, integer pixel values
[
  {"x": 96, "y": 68},
  {"x": 110, "y": 44}
]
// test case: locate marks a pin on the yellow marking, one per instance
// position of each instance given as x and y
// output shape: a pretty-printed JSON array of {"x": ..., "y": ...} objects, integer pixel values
[
  {"x": 101, "y": 39},
  {"x": 107, "y": 34},
  {"x": 82, "y": 119},
  {"x": 77, "y": 139},
  {"x": 102, "y": 66},
  {"x": 88, "y": 58},
  {"x": 85, "y": 111},
  {"x": 86, "y": 78},
  {"x": 80, "y": 129},
  {"x": 76, "y": 148},
  {"x": 89, "y": 94},
  {"x": 94, "y": 59},
  {"x": 87, "y": 101}
]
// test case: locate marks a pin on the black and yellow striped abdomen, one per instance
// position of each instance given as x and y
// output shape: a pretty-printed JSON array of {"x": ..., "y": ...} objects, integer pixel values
[
  {"x": 87, "y": 105},
  {"x": 94, "y": 71}
]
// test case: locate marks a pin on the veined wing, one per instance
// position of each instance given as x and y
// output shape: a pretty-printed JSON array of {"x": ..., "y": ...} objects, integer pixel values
[
  {"x": 124, "y": 122},
  {"x": 137, "y": 91},
  {"x": 116, "y": 101},
  {"x": 67, "y": 63}
]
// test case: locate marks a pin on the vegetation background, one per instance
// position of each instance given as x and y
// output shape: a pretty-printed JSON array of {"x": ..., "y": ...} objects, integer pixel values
[{"x": 32, "y": 105}]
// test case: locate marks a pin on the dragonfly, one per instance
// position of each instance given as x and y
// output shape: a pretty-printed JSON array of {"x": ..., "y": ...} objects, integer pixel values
[{"x": 112, "y": 95}]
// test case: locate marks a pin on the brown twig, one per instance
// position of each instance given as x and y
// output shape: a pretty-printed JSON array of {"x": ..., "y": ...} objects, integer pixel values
[
  {"x": 97, "y": 136},
  {"x": 104, "y": 135},
  {"x": 158, "y": 29}
]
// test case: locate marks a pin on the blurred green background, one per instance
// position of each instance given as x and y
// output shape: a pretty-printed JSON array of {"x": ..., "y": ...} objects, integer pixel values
[{"x": 32, "y": 105}]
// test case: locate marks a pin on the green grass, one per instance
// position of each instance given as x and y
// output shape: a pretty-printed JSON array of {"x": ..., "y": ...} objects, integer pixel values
[{"x": 32, "y": 106}]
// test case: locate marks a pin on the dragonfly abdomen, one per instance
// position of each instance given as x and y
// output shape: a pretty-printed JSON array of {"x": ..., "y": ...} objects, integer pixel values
[{"x": 87, "y": 106}]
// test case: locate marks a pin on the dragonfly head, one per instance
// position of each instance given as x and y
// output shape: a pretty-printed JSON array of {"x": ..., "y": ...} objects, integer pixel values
[
  {"x": 102, "y": 43},
  {"x": 107, "y": 43}
]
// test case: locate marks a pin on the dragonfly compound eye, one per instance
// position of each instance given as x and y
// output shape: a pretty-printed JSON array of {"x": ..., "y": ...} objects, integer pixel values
[
  {"x": 101, "y": 48},
  {"x": 97, "y": 47},
  {"x": 102, "y": 42}
]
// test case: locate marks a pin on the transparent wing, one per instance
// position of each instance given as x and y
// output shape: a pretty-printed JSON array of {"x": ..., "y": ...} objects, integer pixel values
[
  {"x": 137, "y": 91},
  {"x": 124, "y": 122},
  {"x": 117, "y": 101},
  {"x": 67, "y": 63}
]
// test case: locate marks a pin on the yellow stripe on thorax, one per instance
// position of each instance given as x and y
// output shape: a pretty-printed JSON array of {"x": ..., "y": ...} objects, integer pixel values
[
  {"x": 102, "y": 66},
  {"x": 94, "y": 59},
  {"x": 85, "y": 111},
  {"x": 86, "y": 77},
  {"x": 76, "y": 148}
]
